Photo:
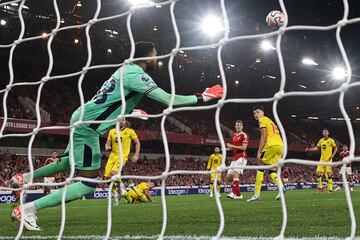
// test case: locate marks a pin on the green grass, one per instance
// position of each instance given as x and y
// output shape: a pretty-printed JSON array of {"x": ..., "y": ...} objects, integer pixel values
[{"x": 309, "y": 215}]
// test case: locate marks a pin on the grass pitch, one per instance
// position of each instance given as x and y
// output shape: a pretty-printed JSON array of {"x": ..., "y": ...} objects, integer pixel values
[{"x": 309, "y": 215}]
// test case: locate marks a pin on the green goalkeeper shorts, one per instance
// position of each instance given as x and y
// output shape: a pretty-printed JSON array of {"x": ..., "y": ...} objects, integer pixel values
[{"x": 86, "y": 152}]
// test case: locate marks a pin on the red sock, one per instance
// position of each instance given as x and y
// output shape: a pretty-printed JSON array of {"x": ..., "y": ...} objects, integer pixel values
[{"x": 235, "y": 187}]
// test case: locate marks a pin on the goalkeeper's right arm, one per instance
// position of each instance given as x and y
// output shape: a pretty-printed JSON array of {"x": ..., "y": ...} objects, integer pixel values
[{"x": 161, "y": 96}]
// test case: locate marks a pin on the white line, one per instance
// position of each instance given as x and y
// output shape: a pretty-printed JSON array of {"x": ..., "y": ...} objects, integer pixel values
[{"x": 176, "y": 237}]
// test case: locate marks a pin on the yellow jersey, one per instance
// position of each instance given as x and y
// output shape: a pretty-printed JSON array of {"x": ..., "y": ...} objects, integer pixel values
[
  {"x": 126, "y": 136},
  {"x": 214, "y": 161},
  {"x": 273, "y": 137},
  {"x": 142, "y": 187},
  {"x": 326, "y": 147}
]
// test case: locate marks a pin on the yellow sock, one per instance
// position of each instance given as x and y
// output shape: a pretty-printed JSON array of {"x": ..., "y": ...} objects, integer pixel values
[
  {"x": 128, "y": 197},
  {"x": 258, "y": 182},
  {"x": 218, "y": 189},
  {"x": 319, "y": 180},
  {"x": 113, "y": 190},
  {"x": 211, "y": 187},
  {"x": 273, "y": 176},
  {"x": 330, "y": 184}
]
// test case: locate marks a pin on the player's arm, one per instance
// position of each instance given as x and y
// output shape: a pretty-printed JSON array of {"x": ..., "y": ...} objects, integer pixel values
[
  {"x": 135, "y": 157},
  {"x": 148, "y": 195},
  {"x": 243, "y": 147},
  {"x": 163, "y": 97},
  {"x": 208, "y": 167},
  {"x": 314, "y": 149},
  {"x": 262, "y": 141},
  {"x": 108, "y": 142},
  {"x": 335, "y": 149}
]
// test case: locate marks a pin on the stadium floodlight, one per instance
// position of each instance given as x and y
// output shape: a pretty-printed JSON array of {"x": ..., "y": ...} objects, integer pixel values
[
  {"x": 2, "y": 22},
  {"x": 212, "y": 25},
  {"x": 309, "y": 61},
  {"x": 109, "y": 51},
  {"x": 78, "y": 4},
  {"x": 76, "y": 41},
  {"x": 339, "y": 73},
  {"x": 267, "y": 46},
  {"x": 237, "y": 82}
]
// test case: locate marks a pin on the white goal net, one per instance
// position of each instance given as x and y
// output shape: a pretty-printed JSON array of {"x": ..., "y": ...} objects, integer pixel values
[{"x": 219, "y": 45}]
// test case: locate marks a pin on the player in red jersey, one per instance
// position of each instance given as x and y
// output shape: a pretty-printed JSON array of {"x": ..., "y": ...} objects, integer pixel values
[
  {"x": 50, "y": 179},
  {"x": 285, "y": 176},
  {"x": 345, "y": 170},
  {"x": 239, "y": 144}
]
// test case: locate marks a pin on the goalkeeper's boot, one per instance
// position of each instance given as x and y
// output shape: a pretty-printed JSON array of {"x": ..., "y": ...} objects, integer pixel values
[
  {"x": 29, "y": 219},
  {"x": 211, "y": 194},
  {"x": 254, "y": 199},
  {"x": 17, "y": 181},
  {"x": 337, "y": 189},
  {"x": 278, "y": 196}
]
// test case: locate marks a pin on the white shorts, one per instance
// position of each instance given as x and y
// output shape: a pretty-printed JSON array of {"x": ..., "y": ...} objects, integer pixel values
[
  {"x": 241, "y": 162},
  {"x": 286, "y": 180},
  {"x": 346, "y": 170},
  {"x": 49, "y": 179}
]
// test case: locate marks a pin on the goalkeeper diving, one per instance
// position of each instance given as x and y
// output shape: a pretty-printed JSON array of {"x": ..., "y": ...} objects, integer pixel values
[{"x": 107, "y": 105}]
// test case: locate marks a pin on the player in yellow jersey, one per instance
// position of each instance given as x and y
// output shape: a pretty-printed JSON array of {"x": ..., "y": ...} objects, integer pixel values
[
  {"x": 139, "y": 193},
  {"x": 328, "y": 149},
  {"x": 213, "y": 163},
  {"x": 127, "y": 135},
  {"x": 269, "y": 152}
]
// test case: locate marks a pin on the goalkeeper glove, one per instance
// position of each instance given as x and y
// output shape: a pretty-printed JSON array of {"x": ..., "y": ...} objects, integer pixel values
[{"x": 211, "y": 93}]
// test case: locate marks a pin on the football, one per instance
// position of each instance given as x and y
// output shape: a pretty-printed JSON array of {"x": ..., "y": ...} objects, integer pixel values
[{"x": 275, "y": 19}]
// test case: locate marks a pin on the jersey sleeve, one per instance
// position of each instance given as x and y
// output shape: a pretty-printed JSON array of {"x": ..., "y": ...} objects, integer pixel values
[
  {"x": 246, "y": 139},
  {"x": 142, "y": 83},
  {"x": 133, "y": 134},
  {"x": 333, "y": 144},
  {"x": 262, "y": 122}
]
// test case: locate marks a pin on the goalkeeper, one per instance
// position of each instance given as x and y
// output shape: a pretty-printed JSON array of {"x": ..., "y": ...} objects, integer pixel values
[
  {"x": 139, "y": 193},
  {"x": 105, "y": 105}
]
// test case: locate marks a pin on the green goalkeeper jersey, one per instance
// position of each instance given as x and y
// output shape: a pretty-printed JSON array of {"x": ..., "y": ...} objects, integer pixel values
[{"x": 107, "y": 103}]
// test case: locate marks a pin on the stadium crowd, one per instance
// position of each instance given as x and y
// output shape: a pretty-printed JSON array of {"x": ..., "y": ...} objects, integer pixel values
[{"x": 12, "y": 164}]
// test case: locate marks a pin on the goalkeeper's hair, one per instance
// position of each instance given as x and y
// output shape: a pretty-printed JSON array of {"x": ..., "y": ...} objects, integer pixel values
[
  {"x": 143, "y": 49},
  {"x": 239, "y": 121}
]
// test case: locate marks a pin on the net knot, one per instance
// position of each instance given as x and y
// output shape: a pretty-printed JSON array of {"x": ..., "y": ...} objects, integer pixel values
[
  {"x": 127, "y": 61},
  {"x": 84, "y": 70},
  {"x": 18, "y": 41},
  {"x": 175, "y": 51},
  {"x": 8, "y": 87},
  {"x": 91, "y": 21},
  {"x": 279, "y": 95},
  {"x": 342, "y": 23},
  {"x": 164, "y": 175},
  {"x": 35, "y": 131},
  {"x": 220, "y": 103},
  {"x": 167, "y": 111},
  {"x": 68, "y": 181},
  {"x": 344, "y": 87},
  {"x": 223, "y": 41},
  {"x": 45, "y": 79}
]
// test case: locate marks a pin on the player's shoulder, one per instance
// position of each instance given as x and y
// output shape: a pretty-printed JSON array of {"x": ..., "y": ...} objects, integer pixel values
[
  {"x": 245, "y": 135},
  {"x": 264, "y": 119}
]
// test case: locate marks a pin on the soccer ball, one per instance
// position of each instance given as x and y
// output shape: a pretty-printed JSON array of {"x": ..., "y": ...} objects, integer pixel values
[{"x": 275, "y": 19}]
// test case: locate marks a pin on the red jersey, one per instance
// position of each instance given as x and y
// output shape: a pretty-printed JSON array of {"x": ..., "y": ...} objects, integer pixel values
[
  {"x": 285, "y": 173},
  {"x": 239, "y": 140},
  {"x": 343, "y": 155},
  {"x": 48, "y": 161}
]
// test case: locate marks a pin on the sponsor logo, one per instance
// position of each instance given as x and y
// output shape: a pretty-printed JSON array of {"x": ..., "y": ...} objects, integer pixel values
[
  {"x": 203, "y": 190},
  {"x": 291, "y": 187},
  {"x": 306, "y": 186},
  {"x": 178, "y": 191},
  {"x": 272, "y": 188},
  {"x": 100, "y": 194},
  {"x": 227, "y": 189},
  {"x": 250, "y": 189},
  {"x": 7, "y": 198}
]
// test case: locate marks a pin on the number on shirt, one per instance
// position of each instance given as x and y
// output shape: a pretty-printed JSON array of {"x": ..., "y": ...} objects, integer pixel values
[
  {"x": 275, "y": 128},
  {"x": 102, "y": 94}
]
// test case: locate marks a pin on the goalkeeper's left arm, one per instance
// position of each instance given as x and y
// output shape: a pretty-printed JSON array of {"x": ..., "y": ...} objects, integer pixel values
[{"x": 161, "y": 96}]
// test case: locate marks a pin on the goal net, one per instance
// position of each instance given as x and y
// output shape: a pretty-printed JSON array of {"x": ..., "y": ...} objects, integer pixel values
[{"x": 20, "y": 10}]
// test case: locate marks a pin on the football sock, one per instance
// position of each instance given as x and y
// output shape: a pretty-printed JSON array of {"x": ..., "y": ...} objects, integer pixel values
[
  {"x": 74, "y": 191},
  {"x": 58, "y": 166},
  {"x": 235, "y": 187},
  {"x": 258, "y": 182},
  {"x": 211, "y": 187},
  {"x": 319, "y": 180},
  {"x": 273, "y": 176}
]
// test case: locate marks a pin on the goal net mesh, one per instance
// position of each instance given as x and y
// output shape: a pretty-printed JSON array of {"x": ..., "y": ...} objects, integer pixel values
[{"x": 281, "y": 94}]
